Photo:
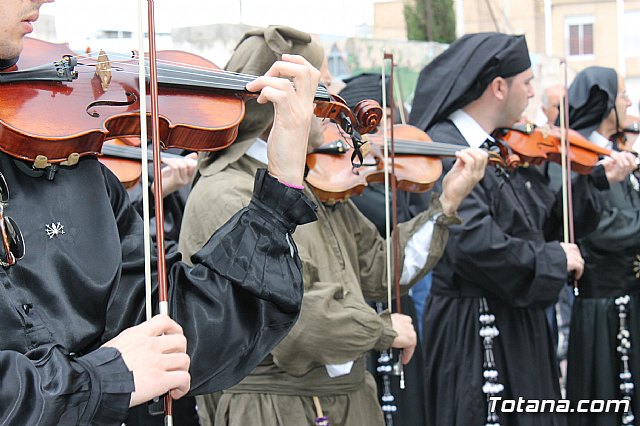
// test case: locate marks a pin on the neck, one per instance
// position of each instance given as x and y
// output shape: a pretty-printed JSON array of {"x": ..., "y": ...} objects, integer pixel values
[
  {"x": 7, "y": 63},
  {"x": 607, "y": 129},
  {"x": 484, "y": 116}
]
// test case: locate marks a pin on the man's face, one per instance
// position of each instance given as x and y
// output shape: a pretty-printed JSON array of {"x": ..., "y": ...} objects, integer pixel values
[
  {"x": 520, "y": 91},
  {"x": 622, "y": 101},
  {"x": 16, "y": 17}
]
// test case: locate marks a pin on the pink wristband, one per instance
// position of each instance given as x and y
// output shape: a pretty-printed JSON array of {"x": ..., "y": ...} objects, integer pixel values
[{"x": 290, "y": 185}]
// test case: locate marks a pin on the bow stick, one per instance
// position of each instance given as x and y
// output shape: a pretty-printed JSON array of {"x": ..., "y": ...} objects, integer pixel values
[
  {"x": 386, "y": 358},
  {"x": 157, "y": 172},
  {"x": 565, "y": 151}
]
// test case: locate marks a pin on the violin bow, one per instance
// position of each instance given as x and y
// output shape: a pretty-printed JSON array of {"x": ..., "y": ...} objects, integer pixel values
[
  {"x": 145, "y": 167},
  {"x": 394, "y": 187},
  {"x": 157, "y": 186},
  {"x": 565, "y": 151},
  {"x": 385, "y": 361}
]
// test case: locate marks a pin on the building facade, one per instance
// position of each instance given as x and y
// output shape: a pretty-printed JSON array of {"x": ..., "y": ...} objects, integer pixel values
[{"x": 584, "y": 32}]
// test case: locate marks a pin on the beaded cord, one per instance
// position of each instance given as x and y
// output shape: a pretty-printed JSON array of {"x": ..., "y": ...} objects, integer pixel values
[
  {"x": 488, "y": 332},
  {"x": 624, "y": 350},
  {"x": 385, "y": 369}
]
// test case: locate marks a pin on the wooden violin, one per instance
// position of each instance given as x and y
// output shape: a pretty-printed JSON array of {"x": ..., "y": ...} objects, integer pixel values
[
  {"x": 417, "y": 163},
  {"x": 58, "y": 112},
  {"x": 535, "y": 145}
]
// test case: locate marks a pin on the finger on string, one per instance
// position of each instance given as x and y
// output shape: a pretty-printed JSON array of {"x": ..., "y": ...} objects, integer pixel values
[
  {"x": 305, "y": 78},
  {"x": 478, "y": 159},
  {"x": 464, "y": 156},
  {"x": 263, "y": 82},
  {"x": 287, "y": 66},
  {"x": 269, "y": 94}
]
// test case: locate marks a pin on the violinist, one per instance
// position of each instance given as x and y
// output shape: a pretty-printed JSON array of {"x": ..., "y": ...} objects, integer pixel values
[
  {"x": 74, "y": 348},
  {"x": 610, "y": 285},
  {"x": 485, "y": 330},
  {"x": 317, "y": 373}
]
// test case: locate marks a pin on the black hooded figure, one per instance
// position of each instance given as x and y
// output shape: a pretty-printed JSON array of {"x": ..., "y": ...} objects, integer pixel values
[
  {"x": 486, "y": 337},
  {"x": 592, "y": 95},
  {"x": 610, "y": 284}
]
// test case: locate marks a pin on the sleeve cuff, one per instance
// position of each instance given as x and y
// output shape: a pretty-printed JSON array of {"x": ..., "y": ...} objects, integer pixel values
[
  {"x": 435, "y": 207},
  {"x": 287, "y": 205},
  {"x": 112, "y": 384},
  {"x": 388, "y": 334},
  {"x": 254, "y": 248},
  {"x": 599, "y": 178}
]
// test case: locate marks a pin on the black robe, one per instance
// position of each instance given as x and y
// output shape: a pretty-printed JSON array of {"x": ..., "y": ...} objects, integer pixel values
[
  {"x": 74, "y": 291},
  {"x": 611, "y": 254},
  {"x": 173, "y": 207},
  {"x": 184, "y": 409},
  {"x": 503, "y": 251}
]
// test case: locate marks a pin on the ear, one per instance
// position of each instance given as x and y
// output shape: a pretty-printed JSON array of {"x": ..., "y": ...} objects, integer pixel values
[{"x": 499, "y": 88}]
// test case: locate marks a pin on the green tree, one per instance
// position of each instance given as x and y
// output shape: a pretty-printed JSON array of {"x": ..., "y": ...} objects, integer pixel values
[{"x": 430, "y": 20}]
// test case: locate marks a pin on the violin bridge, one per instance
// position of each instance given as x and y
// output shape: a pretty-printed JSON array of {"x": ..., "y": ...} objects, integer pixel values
[
  {"x": 546, "y": 131},
  {"x": 103, "y": 70}
]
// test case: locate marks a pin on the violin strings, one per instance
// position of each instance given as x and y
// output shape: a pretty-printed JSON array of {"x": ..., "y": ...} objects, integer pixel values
[
  {"x": 233, "y": 77},
  {"x": 426, "y": 148},
  {"x": 217, "y": 73}
]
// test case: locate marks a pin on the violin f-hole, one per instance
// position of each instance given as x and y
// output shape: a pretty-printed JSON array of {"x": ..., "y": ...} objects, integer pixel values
[{"x": 131, "y": 99}]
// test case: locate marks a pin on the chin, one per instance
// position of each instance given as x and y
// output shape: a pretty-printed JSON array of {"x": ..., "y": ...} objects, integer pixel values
[{"x": 11, "y": 50}]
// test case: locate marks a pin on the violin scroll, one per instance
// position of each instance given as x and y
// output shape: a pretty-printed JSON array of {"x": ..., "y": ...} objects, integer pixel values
[
  {"x": 501, "y": 155},
  {"x": 364, "y": 119},
  {"x": 368, "y": 113}
]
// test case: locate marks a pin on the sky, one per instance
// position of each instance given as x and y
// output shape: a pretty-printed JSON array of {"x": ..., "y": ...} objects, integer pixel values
[{"x": 75, "y": 18}]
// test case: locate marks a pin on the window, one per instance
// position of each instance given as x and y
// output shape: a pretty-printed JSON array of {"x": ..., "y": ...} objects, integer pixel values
[
  {"x": 631, "y": 31},
  {"x": 579, "y": 36},
  {"x": 114, "y": 34}
]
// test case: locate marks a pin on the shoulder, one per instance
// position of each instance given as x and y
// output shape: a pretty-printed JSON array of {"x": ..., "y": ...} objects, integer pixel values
[{"x": 446, "y": 132}]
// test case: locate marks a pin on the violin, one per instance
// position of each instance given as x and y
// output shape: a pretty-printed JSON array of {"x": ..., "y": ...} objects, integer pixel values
[
  {"x": 58, "y": 112},
  {"x": 123, "y": 157},
  {"x": 535, "y": 145},
  {"x": 417, "y": 163}
]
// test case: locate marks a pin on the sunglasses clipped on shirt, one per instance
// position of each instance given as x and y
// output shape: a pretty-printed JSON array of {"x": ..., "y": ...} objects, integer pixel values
[{"x": 12, "y": 247}]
